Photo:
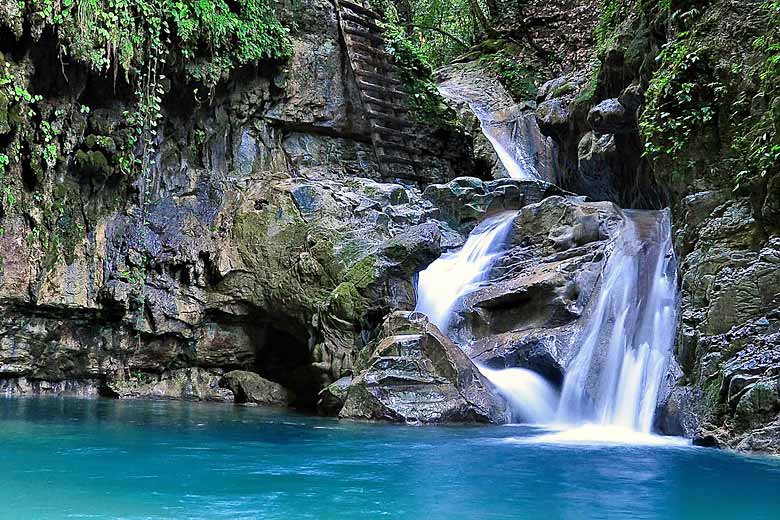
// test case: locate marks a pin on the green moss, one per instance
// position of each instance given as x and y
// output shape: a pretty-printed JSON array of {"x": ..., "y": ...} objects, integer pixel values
[
  {"x": 347, "y": 303},
  {"x": 93, "y": 162},
  {"x": 520, "y": 79},
  {"x": 5, "y": 127},
  {"x": 712, "y": 393},
  {"x": 363, "y": 273},
  {"x": 211, "y": 37}
]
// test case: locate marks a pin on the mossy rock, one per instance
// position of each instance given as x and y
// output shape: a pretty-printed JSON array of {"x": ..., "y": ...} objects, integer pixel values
[
  {"x": 363, "y": 274},
  {"x": 346, "y": 302},
  {"x": 93, "y": 162},
  {"x": 5, "y": 127}
]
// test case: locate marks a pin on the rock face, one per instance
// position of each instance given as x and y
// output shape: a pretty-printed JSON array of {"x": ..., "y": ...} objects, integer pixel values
[
  {"x": 189, "y": 384},
  {"x": 527, "y": 312},
  {"x": 413, "y": 373},
  {"x": 262, "y": 236},
  {"x": 248, "y": 387},
  {"x": 600, "y": 147}
]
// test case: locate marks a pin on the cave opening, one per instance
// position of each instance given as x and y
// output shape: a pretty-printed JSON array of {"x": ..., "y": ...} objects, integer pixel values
[{"x": 287, "y": 359}]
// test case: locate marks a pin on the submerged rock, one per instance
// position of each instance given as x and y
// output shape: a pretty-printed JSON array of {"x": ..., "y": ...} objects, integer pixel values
[
  {"x": 248, "y": 387},
  {"x": 413, "y": 373}
]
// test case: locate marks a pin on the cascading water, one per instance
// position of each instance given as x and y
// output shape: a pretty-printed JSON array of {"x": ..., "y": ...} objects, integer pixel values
[
  {"x": 624, "y": 345},
  {"x": 533, "y": 400},
  {"x": 629, "y": 333},
  {"x": 454, "y": 275},
  {"x": 444, "y": 283},
  {"x": 513, "y": 133}
]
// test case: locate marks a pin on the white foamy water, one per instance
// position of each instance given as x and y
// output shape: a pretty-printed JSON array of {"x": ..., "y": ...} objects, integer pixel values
[
  {"x": 533, "y": 400},
  {"x": 517, "y": 165},
  {"x": 599, "y": 434},
  {"x": 516, "y": 139},
  {"x": 447, "y": 280},
  {"x": 626, "y": 342}
]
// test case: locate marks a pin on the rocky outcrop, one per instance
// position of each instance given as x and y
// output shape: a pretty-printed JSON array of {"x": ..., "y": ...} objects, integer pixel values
[
  {"x": 21, "y": 386},
  {"x": 261, "y": 236},
  {"x": 600, "y": 148},
  {"x": 527, "y": 312},
  {"x": 465, "y": 201},
  {"x": 413, "y": 373},
  {"x": 189, "y": 384},
  {"x": 248, "y": 387}
]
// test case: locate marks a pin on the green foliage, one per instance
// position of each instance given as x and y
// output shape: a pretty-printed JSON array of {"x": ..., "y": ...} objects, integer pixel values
[
  {"x": 519, "y": 79},
  {"x": 211, "y": 36},
  {"x": 416, "y": 73},
  {"x": 612, "y": 12},
  {"x": 143, "y": 40},
  {"x": 441, "y": 30},
  {"x": 681, "y": 100},
  {"x": 759, "y": 140},
  {"x": 768, "y": 45}
]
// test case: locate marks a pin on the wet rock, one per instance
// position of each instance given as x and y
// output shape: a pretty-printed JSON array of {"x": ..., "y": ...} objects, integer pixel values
[
  {"x": 545, "y": 351},
  {"x": 527, "y": 311},
  {"x": 678, "y": 406},
  {"x": 465, "y": 201},
  {"x": 248, "y": 387},
  {"x": 611, "y": 117},
  {"x": 554, "y": 116},
  {"x": 22, "y": 386},
  {"x": 189, "y": 384},
  {"x": 333, "y": 396},
  {"x": 413, "y": 373}
]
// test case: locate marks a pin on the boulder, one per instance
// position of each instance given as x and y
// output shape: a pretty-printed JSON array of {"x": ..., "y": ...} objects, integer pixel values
[
  {"x": 554, "y": 117},
  {"x": 464, "y": 201},
  {"x": 611, "y": 117},
  {"x": 543, "y": 282},
  {"x": 542, "y": 350},
  {"x": 248, "y": 387},
  {"x": 332, "y": 397},
  {"x": 413, "y": 373}
]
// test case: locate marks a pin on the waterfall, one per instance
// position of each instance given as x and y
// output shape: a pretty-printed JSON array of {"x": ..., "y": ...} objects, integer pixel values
[
  {"x": 443, "y": 285},
  {"x": 629, "y": 333},
  {"x": 452, "y": 276},
  {"x": 518, "y": 165},
  {"x": 624, "y": 343},
  {"x": 532, "y": 398},
  {"x": 513, "y": 133}
]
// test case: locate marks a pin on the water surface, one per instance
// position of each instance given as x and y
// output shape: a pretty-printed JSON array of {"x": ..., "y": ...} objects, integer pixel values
[{"x": 71, "y": 458}]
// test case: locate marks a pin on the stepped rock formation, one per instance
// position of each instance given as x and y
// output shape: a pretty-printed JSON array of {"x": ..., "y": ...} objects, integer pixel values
[{"x": 414, "y": 373}]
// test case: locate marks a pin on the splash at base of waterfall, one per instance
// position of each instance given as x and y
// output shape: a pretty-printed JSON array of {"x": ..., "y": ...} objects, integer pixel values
[
  {"x": 625, "y": 346},
  {"x": 600, "y": 434},
  {"x": 611, "y": 386}
]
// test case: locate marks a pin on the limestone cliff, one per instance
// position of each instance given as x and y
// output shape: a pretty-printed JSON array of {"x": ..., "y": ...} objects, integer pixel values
[{"x": 257, "y": 235}]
